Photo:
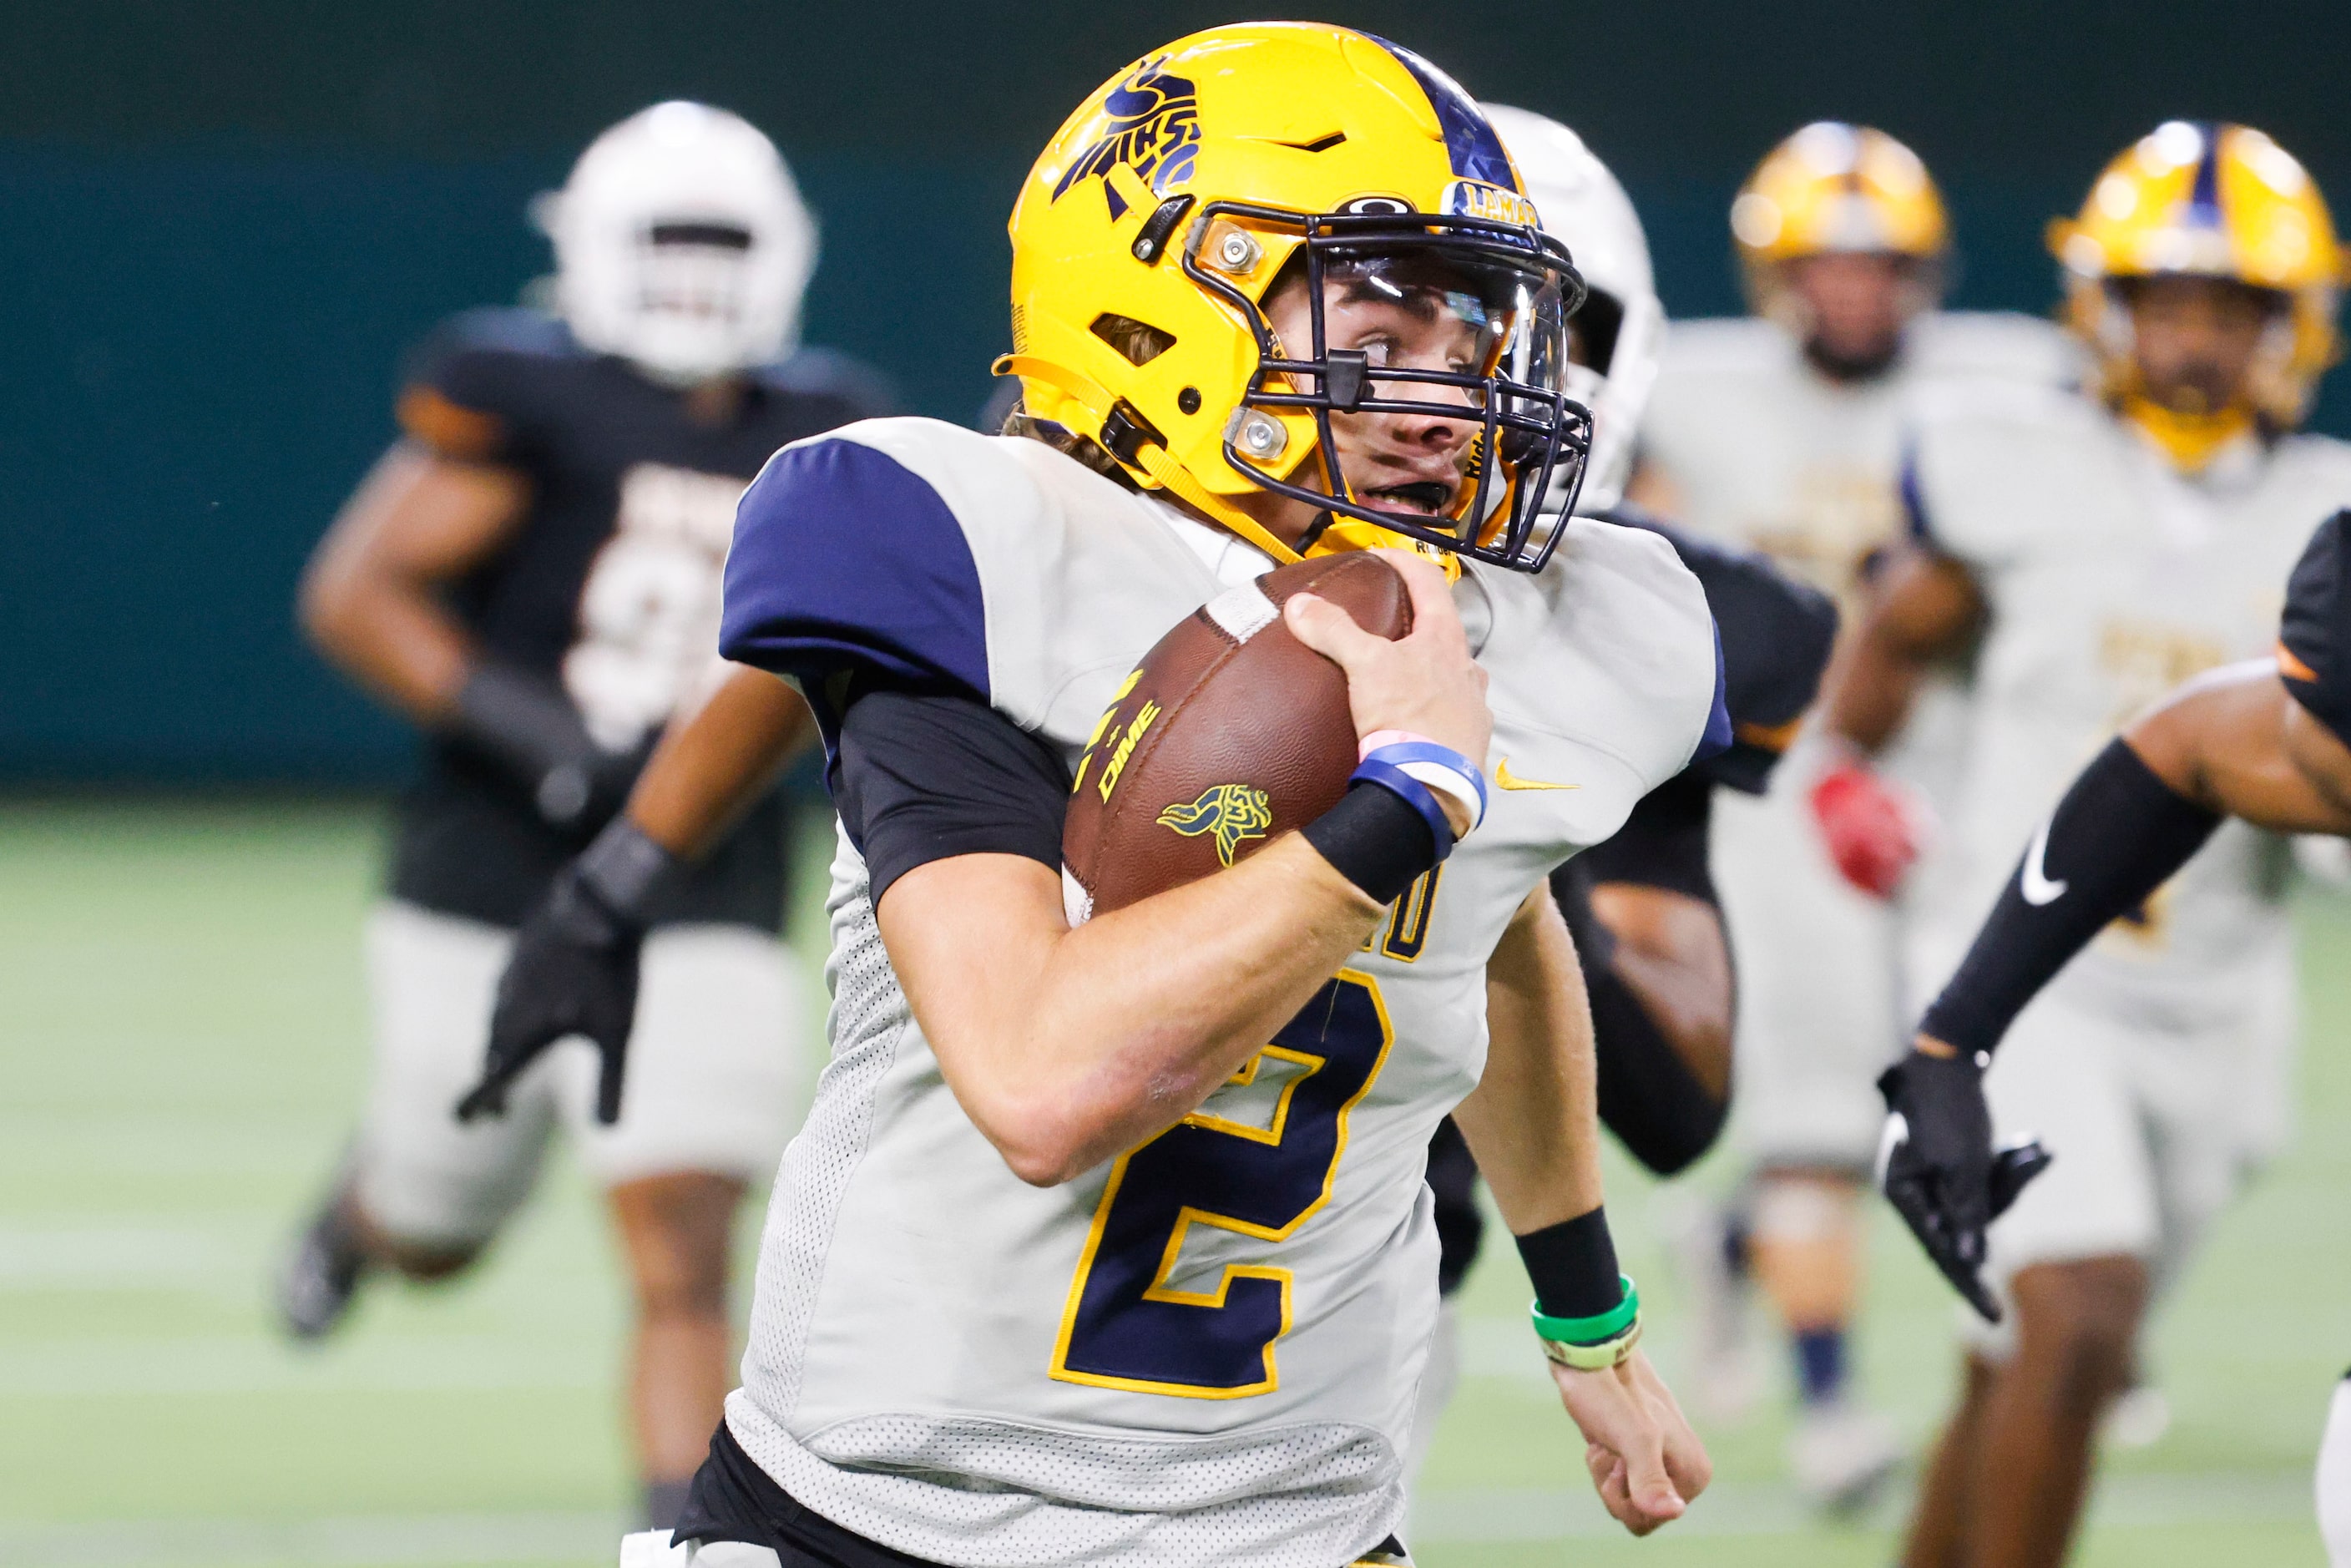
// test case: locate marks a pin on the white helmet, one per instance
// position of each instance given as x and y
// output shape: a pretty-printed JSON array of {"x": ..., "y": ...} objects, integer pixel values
[
  {"x": 1622, "y": 325},
  {"x": 682, "y": 244}
]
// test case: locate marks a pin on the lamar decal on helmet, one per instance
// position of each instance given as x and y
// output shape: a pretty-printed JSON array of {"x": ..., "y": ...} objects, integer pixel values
[{"x": 1150, "y": 232}]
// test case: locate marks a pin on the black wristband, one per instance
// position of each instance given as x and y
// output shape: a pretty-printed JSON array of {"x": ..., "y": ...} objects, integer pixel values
[
  {"x": 528, "y": 729},
  {"x": 625, "y": 869},
  {"x": 1374, "y": 838},
  {"x": 2117, "y": 835},
  {"x": 1572, "y": 1266}
]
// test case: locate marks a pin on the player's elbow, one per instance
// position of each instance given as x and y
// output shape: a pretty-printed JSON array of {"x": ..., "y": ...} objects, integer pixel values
[
  {"x": 324, "y": 604},
  {"x": 1045, "y": 1149},
  {"x": 1049, "y": 1133}
]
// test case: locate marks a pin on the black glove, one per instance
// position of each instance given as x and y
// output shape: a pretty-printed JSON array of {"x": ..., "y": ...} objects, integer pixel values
[
  {"x": 527, "y": 729},
  {"x": 1938, "y": 1167},
  {"x": 574, "y": 969}
]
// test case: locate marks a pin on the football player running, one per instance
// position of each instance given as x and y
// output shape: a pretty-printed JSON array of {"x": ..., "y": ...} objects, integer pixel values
[
  {"x": 2100, "y": 548},
  {"x": 1641, "y": 907},
  {"x": 533, "y": 576},
  {"x": 1781, "y": 433},
  {"x": 2262, "y": 741},
  {"x": 1068, "y": 1264}
]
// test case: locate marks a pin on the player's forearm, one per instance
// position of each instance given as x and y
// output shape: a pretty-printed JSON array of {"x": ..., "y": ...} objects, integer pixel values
[
  {"x": 2118, "y": 833},
  {"x": 1872, "y": 684},
  {"x": 717, "y": 763},
  {"x": 1923, "y": 610},
  {"x": 1671, "y": 956},
  {"x": 1533, "y": 1119},
  {"x": 1067, "y": 1047},
  {"x": 368, "y": 598},
  {"x": 392, "y": 639}
]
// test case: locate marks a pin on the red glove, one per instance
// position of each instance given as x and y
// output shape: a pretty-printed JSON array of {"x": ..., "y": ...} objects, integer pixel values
[{"x": 1871, "y": 827}]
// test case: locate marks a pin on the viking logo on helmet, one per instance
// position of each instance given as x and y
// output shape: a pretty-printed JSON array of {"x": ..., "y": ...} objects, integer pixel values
[
  {"x": 1155, "y": 129},
  {"x": 1231, "y": 811}
]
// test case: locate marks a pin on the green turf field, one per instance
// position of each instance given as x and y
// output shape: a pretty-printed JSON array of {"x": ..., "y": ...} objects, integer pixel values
[{"x": 181, "y": 1044}]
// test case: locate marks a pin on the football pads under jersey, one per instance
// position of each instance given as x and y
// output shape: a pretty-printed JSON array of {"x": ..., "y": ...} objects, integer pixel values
[{"x": 1208, "y": 1349}]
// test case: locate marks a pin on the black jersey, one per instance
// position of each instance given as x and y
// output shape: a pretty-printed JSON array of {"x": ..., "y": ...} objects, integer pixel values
[
  {"x": 610, "y": 586},
  {"x": 2315, "y": 633}
]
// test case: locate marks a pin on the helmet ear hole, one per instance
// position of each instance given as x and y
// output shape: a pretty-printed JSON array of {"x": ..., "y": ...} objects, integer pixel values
[{"x": 1138, "y": 342}]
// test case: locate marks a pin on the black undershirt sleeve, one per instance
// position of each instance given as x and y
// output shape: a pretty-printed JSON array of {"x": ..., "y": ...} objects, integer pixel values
[
  {"x": 926, "y": 776},
  {"x": 1649, "y": 1096},
  {"x": 2118, "y": 834}
]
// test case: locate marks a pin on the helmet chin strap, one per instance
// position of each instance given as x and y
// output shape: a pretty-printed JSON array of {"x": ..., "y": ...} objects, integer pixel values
[{"x": 2191, "y": 441}]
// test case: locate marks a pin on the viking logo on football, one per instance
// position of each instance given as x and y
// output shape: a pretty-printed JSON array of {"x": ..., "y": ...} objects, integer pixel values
[{"x": 1231, "y": 811}]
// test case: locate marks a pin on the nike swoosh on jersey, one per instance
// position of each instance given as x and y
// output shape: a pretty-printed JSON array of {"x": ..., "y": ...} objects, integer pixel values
[
  {"x": 1503, "y": 777},
  {"x": 2033, "y": 881}
]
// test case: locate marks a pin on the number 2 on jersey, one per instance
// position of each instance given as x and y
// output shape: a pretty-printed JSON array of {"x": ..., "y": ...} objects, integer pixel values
[{"x": 1128, "y": 1325}]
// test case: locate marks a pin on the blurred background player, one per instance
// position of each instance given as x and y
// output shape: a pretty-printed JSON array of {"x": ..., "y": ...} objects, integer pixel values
[
  {"x": 1641, "y": 907},
  {"x": 2262, "y": 741},
  {"x": 532, "y": 575},
  {"x": 2098, "y": 550},
  {"x": 1781, "y": 433}
]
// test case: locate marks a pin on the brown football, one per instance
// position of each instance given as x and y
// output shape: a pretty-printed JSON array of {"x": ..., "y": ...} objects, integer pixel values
[{"x": 1230, "y": 732}]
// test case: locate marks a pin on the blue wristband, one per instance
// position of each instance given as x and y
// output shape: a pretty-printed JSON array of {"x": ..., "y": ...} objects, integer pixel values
[
  {"x": 1420, "y": 758},
  {"x": 1413, "y": 793}
]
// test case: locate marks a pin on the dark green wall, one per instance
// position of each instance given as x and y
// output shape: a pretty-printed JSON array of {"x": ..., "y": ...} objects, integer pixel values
[{"x": 221, "y": 223}]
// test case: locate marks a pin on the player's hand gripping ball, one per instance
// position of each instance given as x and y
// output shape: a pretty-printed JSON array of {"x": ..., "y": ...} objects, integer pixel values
[{"x": 1230, "y": 732}]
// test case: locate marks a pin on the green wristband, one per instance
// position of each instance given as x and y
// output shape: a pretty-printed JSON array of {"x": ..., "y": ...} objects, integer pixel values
[{"x": 1595, "y": 1329}]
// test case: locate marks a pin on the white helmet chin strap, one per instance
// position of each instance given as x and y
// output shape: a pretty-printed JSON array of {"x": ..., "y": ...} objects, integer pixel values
[
  {"x": 682, "y": 244},
  {"x": 1582, "y": 204}
]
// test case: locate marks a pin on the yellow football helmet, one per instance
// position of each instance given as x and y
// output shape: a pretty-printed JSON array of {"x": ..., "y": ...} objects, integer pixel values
[
  {"x": 2208, "y": 201},
  {"x": 1834, "y": 187},
  {"x": 1151, "y": 231}
]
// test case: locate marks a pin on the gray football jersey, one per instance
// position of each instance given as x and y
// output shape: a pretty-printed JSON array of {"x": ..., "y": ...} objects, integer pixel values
[
  {"x": 2111, "y": 579},
  {"x": 1206, "y": 1350},
  {"x": 1766, "y": 452}
]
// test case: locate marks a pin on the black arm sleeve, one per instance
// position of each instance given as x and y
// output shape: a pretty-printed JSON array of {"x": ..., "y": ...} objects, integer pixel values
[
  {"x": 925, "y": 776},
  {"x": 2118, "y": 834},
  {"x": 1649, "y": 1096}
]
